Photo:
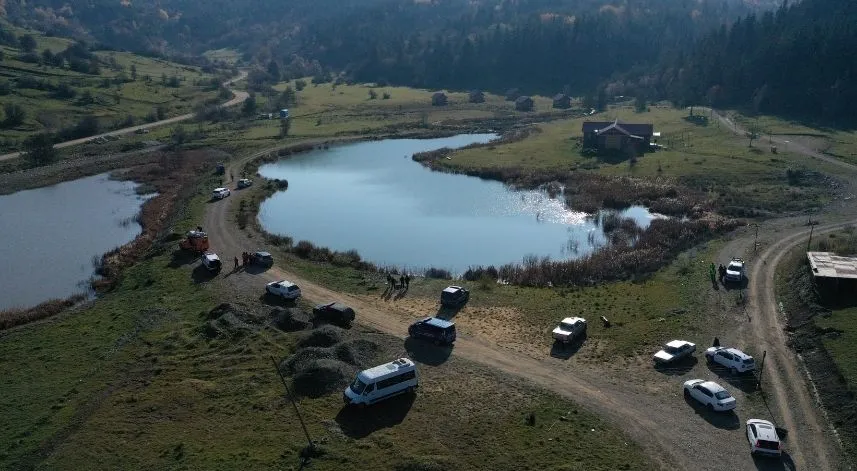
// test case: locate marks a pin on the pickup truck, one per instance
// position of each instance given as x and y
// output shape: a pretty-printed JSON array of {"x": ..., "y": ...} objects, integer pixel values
[{"x": 570, "y": 329}]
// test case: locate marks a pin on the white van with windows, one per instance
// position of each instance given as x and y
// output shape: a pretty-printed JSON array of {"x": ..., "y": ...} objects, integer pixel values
[{"x": 382, "y": 382}]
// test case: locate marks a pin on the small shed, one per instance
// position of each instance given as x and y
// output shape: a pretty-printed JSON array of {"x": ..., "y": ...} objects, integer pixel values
[
  {"x": 476, "y": 96},
  {"x": 512, "y": 94},
  {"x": 439, "y": 99},
  {"x": 561, "y": 101},
  {"x": 616, "y": 136},
  {"x": 524, "y": 103}
]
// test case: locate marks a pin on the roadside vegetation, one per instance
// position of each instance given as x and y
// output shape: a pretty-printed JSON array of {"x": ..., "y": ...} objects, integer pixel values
[
  {"x": 821, "y": 321},
  {"x": 68, "y": 90}
]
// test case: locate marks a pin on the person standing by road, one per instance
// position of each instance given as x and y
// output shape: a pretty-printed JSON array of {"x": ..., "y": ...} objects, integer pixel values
[{"x": 236, "y": 264}]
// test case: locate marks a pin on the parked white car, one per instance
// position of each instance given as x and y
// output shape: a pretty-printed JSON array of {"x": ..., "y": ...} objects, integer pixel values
[
  {"x": 732, "y": 358},
  {"x": 220, "y": 193},
  {"x": 674, "y": 351},
  {"x": 570, "y": 329},
  {"x": 285, "y": 289},
  {"x": 735, "y": 270},
  {"x": 710, "y": 394},
  {"x": 763, "y": 438}
]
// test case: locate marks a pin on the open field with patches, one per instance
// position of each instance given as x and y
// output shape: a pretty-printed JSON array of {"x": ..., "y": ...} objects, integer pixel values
[
  {"x": 126, "y": 89},
  {"x": 699, "y": 154}
]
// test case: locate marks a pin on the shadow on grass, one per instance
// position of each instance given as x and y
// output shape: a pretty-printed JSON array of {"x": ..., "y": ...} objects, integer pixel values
[
  {"x": 564, "y": 351},
  {"x": 200, "y": 274},
  {"x": 722, "y": 420},
  {"x": 276, "y": 301},
  {"x": 427, "y": 353},
  {"x": 360, "y": 423},
  {"x": 180, "y": 258},
  {"x": 677, "y": 368},
  {"x": 764, "y": 463},
  {"x": 732, "y": 285}
]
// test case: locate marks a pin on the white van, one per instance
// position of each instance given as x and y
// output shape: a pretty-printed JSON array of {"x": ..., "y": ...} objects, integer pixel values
[{"x": 382, "y": 382}]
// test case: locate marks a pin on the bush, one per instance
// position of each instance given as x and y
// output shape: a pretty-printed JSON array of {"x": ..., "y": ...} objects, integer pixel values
[
  {"x": 324, "y": 336},
  {"x": 438, "y": 273},
  {"x": 359, "y": 352},
  {"x": 321, "y": 377}
]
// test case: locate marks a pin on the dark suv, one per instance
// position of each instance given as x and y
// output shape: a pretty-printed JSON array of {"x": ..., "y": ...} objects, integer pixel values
[
  {"x": 264, "y": 259},
  {"x": 439, "y": 331},
  {"x": 337, "y": 313},
  {"x": 454, "y": 296}
]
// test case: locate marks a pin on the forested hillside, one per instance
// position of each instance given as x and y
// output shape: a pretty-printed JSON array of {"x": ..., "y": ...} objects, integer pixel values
[
  {"x": 798, "y": 60},
  {"x": 540, "y": 46}
]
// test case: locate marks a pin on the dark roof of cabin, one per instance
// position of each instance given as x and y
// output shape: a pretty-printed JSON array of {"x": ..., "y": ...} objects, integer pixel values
[
  {"x": 522, "y": 99},
  {"x": 438, "y": 94},
  {"x": 636, "y": 129},
  {"x": 560, "y": 96}
]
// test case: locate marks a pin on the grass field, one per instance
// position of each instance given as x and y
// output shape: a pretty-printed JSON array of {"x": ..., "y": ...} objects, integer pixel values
[
  {"x": 702, "y": 156},
  {"x": 838, "y": 142},
  {"x": 843, "y": 348},
  {"x": 113, "y": 96},
  {"x": 131, "y": 382}
]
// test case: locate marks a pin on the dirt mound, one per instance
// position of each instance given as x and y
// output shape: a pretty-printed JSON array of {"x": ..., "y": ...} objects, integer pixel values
[
  {"x": 320, "y": 377},
  {"x": 324, "y": 336},
  {"x": 290, "y": 319},
  {"x": 226, "y": 320},
  {"x": 303, "y": 357},
  {"x": 357, "y": 352}
]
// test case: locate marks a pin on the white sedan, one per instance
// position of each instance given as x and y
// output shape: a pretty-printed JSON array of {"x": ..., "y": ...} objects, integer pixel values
[
  {"x": 674, "y": 351},
  {"x": 709, "y": 394},
  {"x": 284, "y": 289}
]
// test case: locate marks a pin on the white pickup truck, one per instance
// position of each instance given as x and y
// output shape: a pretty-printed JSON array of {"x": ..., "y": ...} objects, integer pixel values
[{"x": 570, "y": 329}]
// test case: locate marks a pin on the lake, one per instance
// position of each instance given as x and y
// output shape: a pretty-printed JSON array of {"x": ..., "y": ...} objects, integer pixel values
[
  {"x": 374, "y": 198},
  {"x": 49, "y": 236}
]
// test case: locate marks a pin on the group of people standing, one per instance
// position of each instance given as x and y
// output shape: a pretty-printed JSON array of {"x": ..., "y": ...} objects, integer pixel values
[
  {"x": 404, "y": 281},
  {"x": 245, "y": 260}
]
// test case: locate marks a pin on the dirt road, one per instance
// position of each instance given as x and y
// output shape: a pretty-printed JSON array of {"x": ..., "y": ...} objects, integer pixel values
[
  {"x": 794, "y": 406},
  {"x": 673, "y": 433},
  {"x": 238, "y": 96}
]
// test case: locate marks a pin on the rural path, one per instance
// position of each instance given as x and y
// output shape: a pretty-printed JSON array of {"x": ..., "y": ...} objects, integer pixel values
[
  {"x": 797, "y": 409},
  {"x": 667, "y": 429},
  {"x": 238, "y": 96}
]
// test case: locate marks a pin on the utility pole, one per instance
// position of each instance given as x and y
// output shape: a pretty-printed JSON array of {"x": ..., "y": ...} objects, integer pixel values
[
  {"x": 311, "y": 445},
  {"x": 761, "y": 369}
]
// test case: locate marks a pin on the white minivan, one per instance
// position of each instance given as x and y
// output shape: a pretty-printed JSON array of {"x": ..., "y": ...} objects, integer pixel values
[{"x": 382, "y": 382}]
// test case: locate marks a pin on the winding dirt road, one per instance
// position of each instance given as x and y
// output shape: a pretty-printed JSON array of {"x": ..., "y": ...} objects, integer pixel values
[
  {"x": 797, "y": 409},
  {"x": 238, "y": 96},
  {"x": 671, "y": 435}
]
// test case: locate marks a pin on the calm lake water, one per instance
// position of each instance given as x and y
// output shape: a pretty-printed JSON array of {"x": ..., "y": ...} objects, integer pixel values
[
  {"x": 374, "y": 198},
  {"x": 49, "y": 236}
]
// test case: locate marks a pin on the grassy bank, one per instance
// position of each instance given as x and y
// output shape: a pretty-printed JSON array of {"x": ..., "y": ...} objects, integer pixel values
[
  {"x": 700, "y": 155},
  {"x": 135, "y": 380},
  {"x": 824, "y": 331}
]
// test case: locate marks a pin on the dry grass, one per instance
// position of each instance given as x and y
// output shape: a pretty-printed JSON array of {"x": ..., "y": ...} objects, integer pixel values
[{"x": 13, "y": 317}]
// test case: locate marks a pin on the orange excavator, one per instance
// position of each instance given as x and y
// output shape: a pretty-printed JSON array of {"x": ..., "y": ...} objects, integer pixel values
[{"x": 195, "y": 241}]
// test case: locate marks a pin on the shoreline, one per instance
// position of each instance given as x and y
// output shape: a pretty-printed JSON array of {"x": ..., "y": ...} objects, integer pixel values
[
  {"x": 174, "y": 177},
  {"x": 650, "y": 251}
]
